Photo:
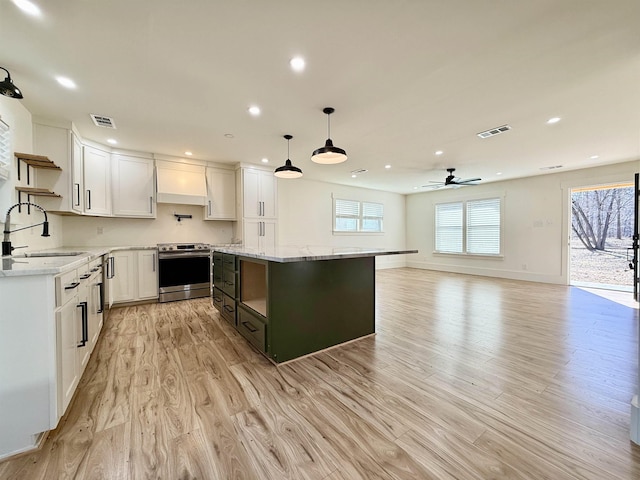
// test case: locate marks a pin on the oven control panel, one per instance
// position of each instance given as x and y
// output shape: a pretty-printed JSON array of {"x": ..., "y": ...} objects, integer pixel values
[{"x": 176, "y": 247}]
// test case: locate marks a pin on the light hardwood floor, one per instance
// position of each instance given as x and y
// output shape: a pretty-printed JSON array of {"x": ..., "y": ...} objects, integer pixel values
[{"x": 467, "y": 378}]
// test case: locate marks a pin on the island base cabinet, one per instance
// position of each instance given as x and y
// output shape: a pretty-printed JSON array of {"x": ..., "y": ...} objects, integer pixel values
[
  {"x": 228, "y": 310},
  {"x": 252, "y": 328}
]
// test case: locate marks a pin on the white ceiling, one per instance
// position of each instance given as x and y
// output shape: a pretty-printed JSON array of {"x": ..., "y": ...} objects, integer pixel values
[{"x": 406, "y": 78}]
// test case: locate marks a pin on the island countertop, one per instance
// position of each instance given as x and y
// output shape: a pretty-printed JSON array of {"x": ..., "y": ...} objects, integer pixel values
[{"x": 308, "y": 253}]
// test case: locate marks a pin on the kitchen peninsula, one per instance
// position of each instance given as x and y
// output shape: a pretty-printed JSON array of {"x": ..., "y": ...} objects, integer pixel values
[{"x": 292, "y": 301}]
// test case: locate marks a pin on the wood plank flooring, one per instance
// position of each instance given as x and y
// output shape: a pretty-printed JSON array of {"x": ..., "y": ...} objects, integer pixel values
[{"x": 467, "y": 378}]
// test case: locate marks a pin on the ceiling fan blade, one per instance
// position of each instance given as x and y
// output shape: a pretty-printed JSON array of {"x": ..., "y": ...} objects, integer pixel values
[
  {"x": 467, "y": 181},
  {"x": 433, "y": 181}
]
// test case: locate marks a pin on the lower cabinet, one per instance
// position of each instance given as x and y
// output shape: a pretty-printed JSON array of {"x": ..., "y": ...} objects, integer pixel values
[
  {"x": 252, "y": 326},
  {"x": 78, "y": 323},
  {"x": 133, "y": 275}
]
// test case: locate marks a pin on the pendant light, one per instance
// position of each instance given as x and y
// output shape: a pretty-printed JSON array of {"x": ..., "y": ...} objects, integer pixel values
[
  {"x": 329, "y": 154},
  {"x": 288, "y": 170},
  {"x": 7, "y": 88}
]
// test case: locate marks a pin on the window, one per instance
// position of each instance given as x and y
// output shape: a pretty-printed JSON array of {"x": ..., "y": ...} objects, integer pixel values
[
  {"x": 5, "y": 147},
  {"x": 355, "y": 216},
  {"x": 471, "y": 227}
]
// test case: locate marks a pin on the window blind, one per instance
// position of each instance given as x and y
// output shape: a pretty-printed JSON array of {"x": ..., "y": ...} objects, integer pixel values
[
  {"x": 483, "y": 226},
  {"x": 5, "y": 144},
  {"x": 356, "y": 216},
  {"x": 449, "y": 227}
]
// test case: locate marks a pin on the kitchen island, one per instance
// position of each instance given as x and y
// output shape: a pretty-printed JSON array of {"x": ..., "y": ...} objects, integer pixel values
[{"x": 293, "y": 301}]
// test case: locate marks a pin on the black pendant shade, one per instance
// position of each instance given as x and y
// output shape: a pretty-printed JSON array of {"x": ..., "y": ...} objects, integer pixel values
[
  {"x": 7, "y": 88},
  {"x": 288, "y": 170},
  {"x": 329, "y": 154}
]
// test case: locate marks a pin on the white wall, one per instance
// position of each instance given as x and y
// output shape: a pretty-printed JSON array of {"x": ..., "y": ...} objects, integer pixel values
[
  {"x": 18, "y": 118},
  {"x": 305, "y": 217},
  {"x": 80, "y": 231},
  {"x": 536, "y": 224}
]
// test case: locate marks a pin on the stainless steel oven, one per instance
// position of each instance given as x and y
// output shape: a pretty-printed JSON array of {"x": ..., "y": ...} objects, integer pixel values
[{"x": 184, "y": 271}]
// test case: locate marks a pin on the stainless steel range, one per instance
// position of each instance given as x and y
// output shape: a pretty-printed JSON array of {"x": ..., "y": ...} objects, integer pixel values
[{"x": 184, "y": 271}]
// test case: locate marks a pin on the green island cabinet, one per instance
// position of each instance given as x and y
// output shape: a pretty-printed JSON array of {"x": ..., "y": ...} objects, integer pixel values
[{"x": 288, "y": 305}]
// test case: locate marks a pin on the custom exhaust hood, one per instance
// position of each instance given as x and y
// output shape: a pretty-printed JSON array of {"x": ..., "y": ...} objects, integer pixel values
[{"x": 181, "y": 183}]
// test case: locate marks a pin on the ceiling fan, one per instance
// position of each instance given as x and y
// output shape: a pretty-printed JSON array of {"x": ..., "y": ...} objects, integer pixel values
[{"x": 453, "y": 181}]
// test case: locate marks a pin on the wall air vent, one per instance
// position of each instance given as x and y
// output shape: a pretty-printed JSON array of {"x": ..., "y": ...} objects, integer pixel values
[
  {"x": 102, "y": 121},
  {"x": 494, "y": 131},
  {"x": 552, "y": 167}
]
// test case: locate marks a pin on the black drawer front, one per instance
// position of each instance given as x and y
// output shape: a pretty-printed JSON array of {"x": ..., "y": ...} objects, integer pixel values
[
  {"x": 217, "y": 276},
  {"x": 252, "y": 328},
  {"x": 229, "y": 261},
  {"x": 217, "y": 259},
  {"x": 229, "y": 283},
  {"x": 217, "y": 299},
  {"x": 228, "y": 309}
]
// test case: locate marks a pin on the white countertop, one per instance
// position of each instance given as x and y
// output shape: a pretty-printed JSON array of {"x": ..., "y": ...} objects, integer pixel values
[
  {"x": 21, "y": 264},
  {"x": 309, "y": 252}
]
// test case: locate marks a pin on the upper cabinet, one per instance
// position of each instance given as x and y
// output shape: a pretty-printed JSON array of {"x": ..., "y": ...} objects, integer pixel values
[
  {"x": 77, "y": 168},
  {"x": 259, "y": 193},
  {"x": 97, "y": 181},
  {"x": 133, "y": 186},
  {"x": 221, "y": 194}
]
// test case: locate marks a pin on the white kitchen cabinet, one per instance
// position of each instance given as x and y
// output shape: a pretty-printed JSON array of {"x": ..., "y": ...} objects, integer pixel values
[
  {"x": 67, "y": 322},
  {"x": 259, "y": 193},
  {"x": 133, "y": 275},
  {"x": 221, "y": 194},
  {"x": 122, "y": 276},
  {"x": 77, "y": 176},
  {"x": 147, "y": 274},
  {"x": 83, "y": 350},
  {"x": 133, "y": 186},
  {"x": 63, "y": 147},
  {"x": 259, "y": 234},
  {"x": 97, "y": 181}
]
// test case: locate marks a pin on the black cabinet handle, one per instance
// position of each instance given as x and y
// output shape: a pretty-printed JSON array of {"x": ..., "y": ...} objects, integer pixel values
[
  {"x": 85, "y": 323},
  {"x": 229, "y": 309},
  {"x": 101, "y": 300},
  {"x": 217, "y": 299},
  {"x": 71, "y": 286},
  {"x": 85, "y": 276},
  {"x": 249, "y": 327},
  {"x": 77, "y": 194},
  {"x": 88, "y": 199}
]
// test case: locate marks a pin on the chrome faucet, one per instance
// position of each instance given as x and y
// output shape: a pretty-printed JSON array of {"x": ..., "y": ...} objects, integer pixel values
[{"x": 6, "y": 242}]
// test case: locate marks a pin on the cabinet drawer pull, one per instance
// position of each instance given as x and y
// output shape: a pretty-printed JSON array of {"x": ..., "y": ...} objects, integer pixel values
[
  {"x": 77, "y": 194},
  {"x": 101, "y": 300},
  {"x": 217, "y": 299},
  {"x": 229, "y": 309},
  {"x": 249, "y": 327},
  {"x": 71, "y": 286},
  {"x": 85, "y": 324},
  {"x": 85, "y": 276}
]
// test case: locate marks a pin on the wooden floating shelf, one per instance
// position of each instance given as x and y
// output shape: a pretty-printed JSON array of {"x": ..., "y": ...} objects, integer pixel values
[
  {"x": 37, "y": 192},
  {"x": 37, "y": 161}
]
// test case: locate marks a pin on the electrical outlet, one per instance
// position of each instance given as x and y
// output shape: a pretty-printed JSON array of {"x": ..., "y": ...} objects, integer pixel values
[
  {"x": 100, "y": 230},
  {"x": 524, "y": 266}
]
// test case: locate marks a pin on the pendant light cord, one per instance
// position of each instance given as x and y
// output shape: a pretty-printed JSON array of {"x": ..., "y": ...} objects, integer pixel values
[{"x": 329, "y": 126}]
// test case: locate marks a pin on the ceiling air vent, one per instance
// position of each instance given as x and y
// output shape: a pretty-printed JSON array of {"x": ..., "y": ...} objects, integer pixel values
[
  {"x": 359, "y": 171},
  {"x": 494, "y": 131},
  {"x": 102, "y": 121}
]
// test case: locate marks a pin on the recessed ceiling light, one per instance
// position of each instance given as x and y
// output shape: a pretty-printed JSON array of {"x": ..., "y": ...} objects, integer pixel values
[
  {"x": 499, "y": 173},
  {"x": 415, "y": 188},
  {"x": 593, "y": 157},
  {"x": 353, "y": 175},
  {"x": 188, "y": 153},
  {"x": 265, "y": 160},
  {"x": 297, "y": 64},
  {"x": 228, "y": 135},
  {"x": 553, "y": 120},
  {"x": 254, "y": 110},
  {"x": 112, "y": 141},
  {"x": 66, "y": 82},
  {"x": 438, "y": 152},
  {"x": 387, "y": 166},
  {"x": 28, "y": 7}
]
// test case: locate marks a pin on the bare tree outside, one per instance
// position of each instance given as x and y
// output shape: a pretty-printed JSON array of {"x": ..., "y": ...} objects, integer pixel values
[{"x": 602, "y": 230}]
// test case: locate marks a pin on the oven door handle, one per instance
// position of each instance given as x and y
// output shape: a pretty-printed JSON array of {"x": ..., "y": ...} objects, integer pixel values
[{"x": 163, "y": 256}]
